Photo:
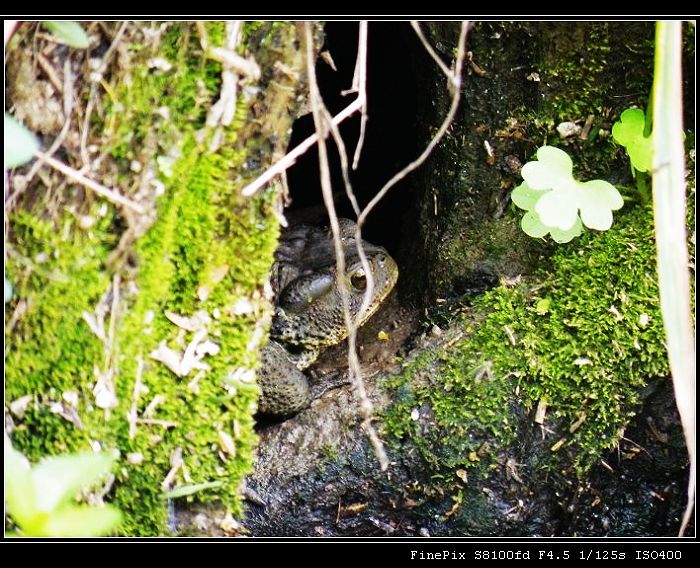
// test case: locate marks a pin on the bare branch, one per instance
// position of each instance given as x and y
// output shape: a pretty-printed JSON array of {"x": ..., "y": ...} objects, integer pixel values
[
  {"x": 77, "y": 177},
  {"x": 455, "y": 84},
  {"x": 327, "y": 190},
  {"x": 290, "y": 158},
  {"x": 361, "y": 88},
  {"x": 429, "y": 48},
  {"x": 67, "y": 90}
]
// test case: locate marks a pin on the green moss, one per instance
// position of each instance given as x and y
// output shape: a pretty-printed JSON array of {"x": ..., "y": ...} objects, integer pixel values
[
  {"x": 587, "y": 350},
  {"x": 490, "y": 248},
  {"x": 50, "y": 343},
  {"x": 589, "y": 71},
  {"x": 207, "y": 249}
]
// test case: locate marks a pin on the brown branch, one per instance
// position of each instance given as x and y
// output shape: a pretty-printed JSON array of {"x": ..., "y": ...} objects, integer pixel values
[
  {"x": 77, "y": 177},
  {"x": 290, "y": 158},
  {"x": 455, "y": 82},
  {"x": 327, "y": 190}
]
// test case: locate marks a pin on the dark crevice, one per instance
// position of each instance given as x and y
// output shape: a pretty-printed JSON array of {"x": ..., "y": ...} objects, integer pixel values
[{"x": 391, "y": 139}]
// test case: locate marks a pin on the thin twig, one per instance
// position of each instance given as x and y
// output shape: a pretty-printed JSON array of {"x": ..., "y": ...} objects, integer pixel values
[
  {"x": 133, "y": 414},
  {"x": 77, "y": 177},
  {"x": 50, "y": 71},
  {"x": 343, "y": 154},
  {"x": 289, "y": 159},
  {"x": 361, "y": 87},
  {"x": 431, "y": 51},
  {"x": 67, "y": 112},
  {"x": 455, "y": 83},
  {"x": 327, "y": 190},
  {"x": 93, "y": 92},
  {"x": 157, "y": 422}
]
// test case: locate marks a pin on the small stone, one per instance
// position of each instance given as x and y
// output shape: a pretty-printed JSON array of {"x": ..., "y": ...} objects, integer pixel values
[{"x": 568, "y": 129}]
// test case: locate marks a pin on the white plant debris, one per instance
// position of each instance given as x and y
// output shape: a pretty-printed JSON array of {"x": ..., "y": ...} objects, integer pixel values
[
  {"x": 105, "y": 396},
  {"x": 182, "y": 364},
  {"x": 227, "y": 444},
  {"x": 19, "y": 406},
  {"x": 66, "y": 412}
]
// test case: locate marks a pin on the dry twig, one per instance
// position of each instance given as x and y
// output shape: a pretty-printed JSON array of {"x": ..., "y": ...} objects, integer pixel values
[
  {"x": 323, "y": 125},
  {"x": 77, "y": 177},
  {"x": 322, "y": 131},
  {"x": 290, "y": 158},
  {"x": 455, "y": 82}
]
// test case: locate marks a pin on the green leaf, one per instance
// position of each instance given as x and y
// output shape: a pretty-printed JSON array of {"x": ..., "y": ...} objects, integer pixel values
[
  {"x": 542, "y": 306},
  {"x": 525, "y": 197},
  {"x": 20, "y": 143},
  {"x": 630, "y": 127},
  {"x": 560, "y": 236},
  {"x": 558, "y": 209},
  {"x": 74, "y": 520},
  {"x": 556, "y": 159},
  {"x": 68, "y": 32},
  {"x": 19, "y": 490},
  {"x": 554, "y": 198},
  {"x": 670, "y": 188},
  {"x": 641, "y": 154},
  {"x": 186, "y": 490},
  {"x": 629, "y": 132},
  {"x": 597, "y": 199},
  {"x": 57, "y": 480},
  {"x": 532, "y": 226},
  {"x": 553, "y": 169}
]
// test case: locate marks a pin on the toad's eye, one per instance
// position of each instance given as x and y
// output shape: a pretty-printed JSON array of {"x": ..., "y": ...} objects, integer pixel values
[{"x": 359, "y": 280}]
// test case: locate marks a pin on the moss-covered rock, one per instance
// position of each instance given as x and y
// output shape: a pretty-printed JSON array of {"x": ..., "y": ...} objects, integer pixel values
[
  {"x": 100, "y": 291},
  {"x": 507, "y": 404},
  {"x": 580, "y": 343}
]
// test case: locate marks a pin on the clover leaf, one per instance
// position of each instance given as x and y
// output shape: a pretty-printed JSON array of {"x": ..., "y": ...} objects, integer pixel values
[
  {"x": 19, "y": 145},
  {"x": 69, "y": 32},
  {"x": 629, "y": 132},
  {"x": 557, "y": 203},
  {"x": 40, "y": 498}
]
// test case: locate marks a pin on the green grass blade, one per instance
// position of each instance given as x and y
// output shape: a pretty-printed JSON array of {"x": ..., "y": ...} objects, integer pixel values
[{"x": 669, "y": 220}]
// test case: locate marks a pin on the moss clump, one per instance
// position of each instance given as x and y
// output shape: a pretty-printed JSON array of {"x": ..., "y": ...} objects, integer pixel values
[
  {"x": 589, "y": 73},
  {"x": 585, "y": 340},
  {"x": 49, "y": 342},
  {"x": 205, "y": 250}
]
